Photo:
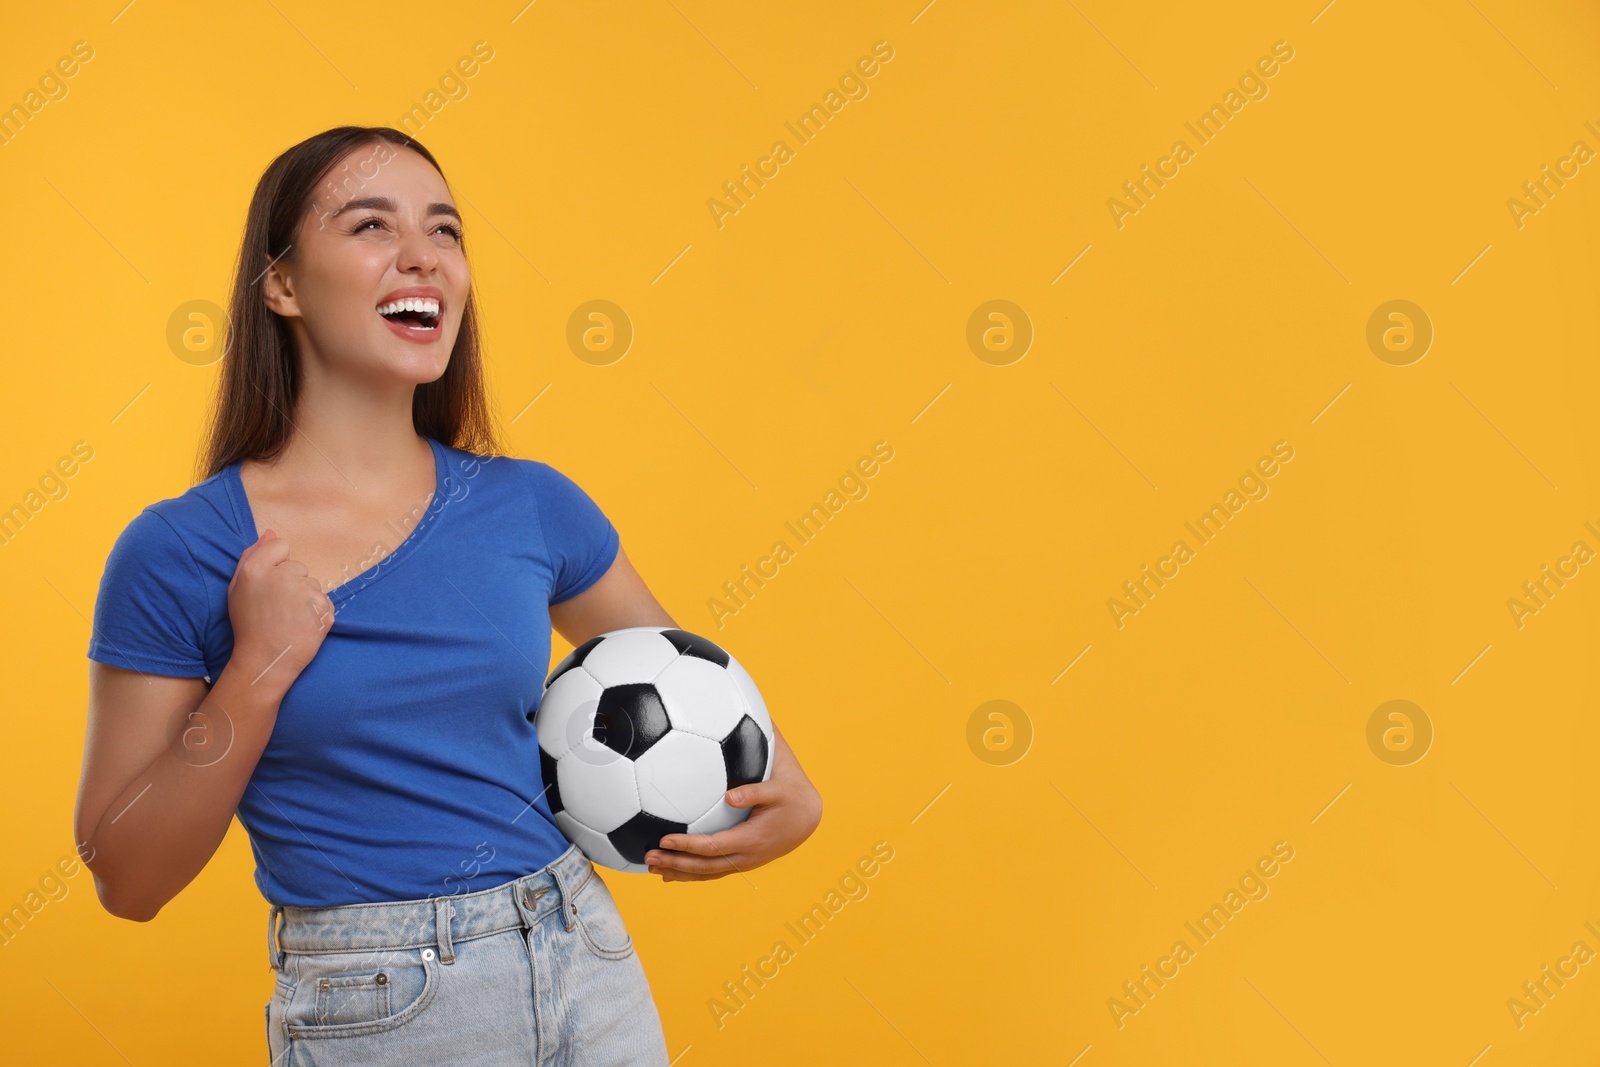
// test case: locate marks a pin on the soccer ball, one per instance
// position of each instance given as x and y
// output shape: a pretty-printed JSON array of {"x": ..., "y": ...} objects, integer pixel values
[{"x": 642, "y": 732}]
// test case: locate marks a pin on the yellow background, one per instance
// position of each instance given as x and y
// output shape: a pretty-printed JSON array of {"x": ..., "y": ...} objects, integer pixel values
[{"x": 831, "y": 312}]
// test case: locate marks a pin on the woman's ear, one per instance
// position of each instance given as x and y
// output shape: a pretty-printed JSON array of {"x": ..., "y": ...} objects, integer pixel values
[{"x": 277, "y": 289}]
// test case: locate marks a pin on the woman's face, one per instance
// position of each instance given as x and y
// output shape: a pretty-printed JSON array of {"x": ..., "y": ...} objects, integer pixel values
[{"x": 381, "y": 228}]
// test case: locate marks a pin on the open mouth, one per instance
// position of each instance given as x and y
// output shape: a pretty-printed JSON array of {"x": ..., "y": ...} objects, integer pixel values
[{"x": 419, "y": 314}]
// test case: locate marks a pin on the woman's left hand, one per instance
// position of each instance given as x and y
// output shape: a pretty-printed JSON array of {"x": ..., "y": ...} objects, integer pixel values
[{"x": 785, "y": 809}]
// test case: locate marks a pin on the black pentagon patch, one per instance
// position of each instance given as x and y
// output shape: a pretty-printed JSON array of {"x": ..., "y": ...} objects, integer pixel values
[
  {"x": 630, "y": 718},
  {"x": 574, "y": 658},
  {"x": 642, "y": 833},
  {"x": 689, "y": 644},
  {"x": 744, "y": 753},
  {"x": 547, "y": 770}
]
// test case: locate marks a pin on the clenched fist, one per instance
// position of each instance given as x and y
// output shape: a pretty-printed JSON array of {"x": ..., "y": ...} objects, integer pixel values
[{"x": 279, "y": 612}]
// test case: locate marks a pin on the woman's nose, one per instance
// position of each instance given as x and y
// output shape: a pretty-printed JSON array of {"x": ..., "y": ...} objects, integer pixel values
[{"x": 415, "y": 247}]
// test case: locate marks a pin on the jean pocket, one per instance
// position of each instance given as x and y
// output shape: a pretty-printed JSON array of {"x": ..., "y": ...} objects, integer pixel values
[
  {"x": 599, "y": 921},
  {"x": 351, "y": 994}
]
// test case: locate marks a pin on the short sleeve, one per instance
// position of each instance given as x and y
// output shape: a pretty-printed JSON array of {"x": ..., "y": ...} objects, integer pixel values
[
  {"x": 579, "y": 540},
  {"x": 150, "y": 612}
]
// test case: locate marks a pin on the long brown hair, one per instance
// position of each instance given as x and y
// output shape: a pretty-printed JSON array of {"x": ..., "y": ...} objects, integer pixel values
[{"x": 251, "y": 416}]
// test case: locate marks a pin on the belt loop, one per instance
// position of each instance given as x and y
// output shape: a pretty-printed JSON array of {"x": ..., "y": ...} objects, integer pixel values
[
  {"x": 274, "y": 948},
  {"x": 568, "y": 909},
  {"x": 442, "y": 910}
]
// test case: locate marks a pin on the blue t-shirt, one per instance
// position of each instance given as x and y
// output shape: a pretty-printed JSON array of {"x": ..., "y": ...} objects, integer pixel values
[{"x": 403, "y": 764}]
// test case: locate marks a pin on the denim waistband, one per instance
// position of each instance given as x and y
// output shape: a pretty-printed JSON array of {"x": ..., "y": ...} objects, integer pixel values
[{"x": 440, "y": 921}]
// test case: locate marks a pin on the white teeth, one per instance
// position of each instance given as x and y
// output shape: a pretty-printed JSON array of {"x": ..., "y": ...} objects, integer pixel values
[{"x": 425, "y": 304}]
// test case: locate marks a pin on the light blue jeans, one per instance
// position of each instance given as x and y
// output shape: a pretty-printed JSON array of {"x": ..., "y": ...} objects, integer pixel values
[{"x": 538, "y": 972}]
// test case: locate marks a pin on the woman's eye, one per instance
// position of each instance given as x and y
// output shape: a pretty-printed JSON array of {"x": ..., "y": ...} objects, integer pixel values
[{"x": 453, "y": 231}]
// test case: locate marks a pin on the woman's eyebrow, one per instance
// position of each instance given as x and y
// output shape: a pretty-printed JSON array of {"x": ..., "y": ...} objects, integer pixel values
[{"x": 383, "y": 203}]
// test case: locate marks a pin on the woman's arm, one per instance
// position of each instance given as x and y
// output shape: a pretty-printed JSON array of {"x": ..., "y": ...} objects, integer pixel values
[
  {"x": 166, "y": 759},
  {"x": 785, "y": 809},
  {"x": 617, "y": 601},
  {"x": 154, "y": 800}
]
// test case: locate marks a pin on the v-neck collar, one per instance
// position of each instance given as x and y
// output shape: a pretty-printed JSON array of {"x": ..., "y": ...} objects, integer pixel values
[{"x": 246, "y": 521}]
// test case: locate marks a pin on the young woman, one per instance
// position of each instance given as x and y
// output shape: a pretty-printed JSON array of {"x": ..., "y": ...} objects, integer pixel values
[{"x": 341, "y": 635}]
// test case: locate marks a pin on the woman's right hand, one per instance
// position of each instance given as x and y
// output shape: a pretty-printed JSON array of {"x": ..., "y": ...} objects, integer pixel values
[{"x": 279, "y": 613}]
